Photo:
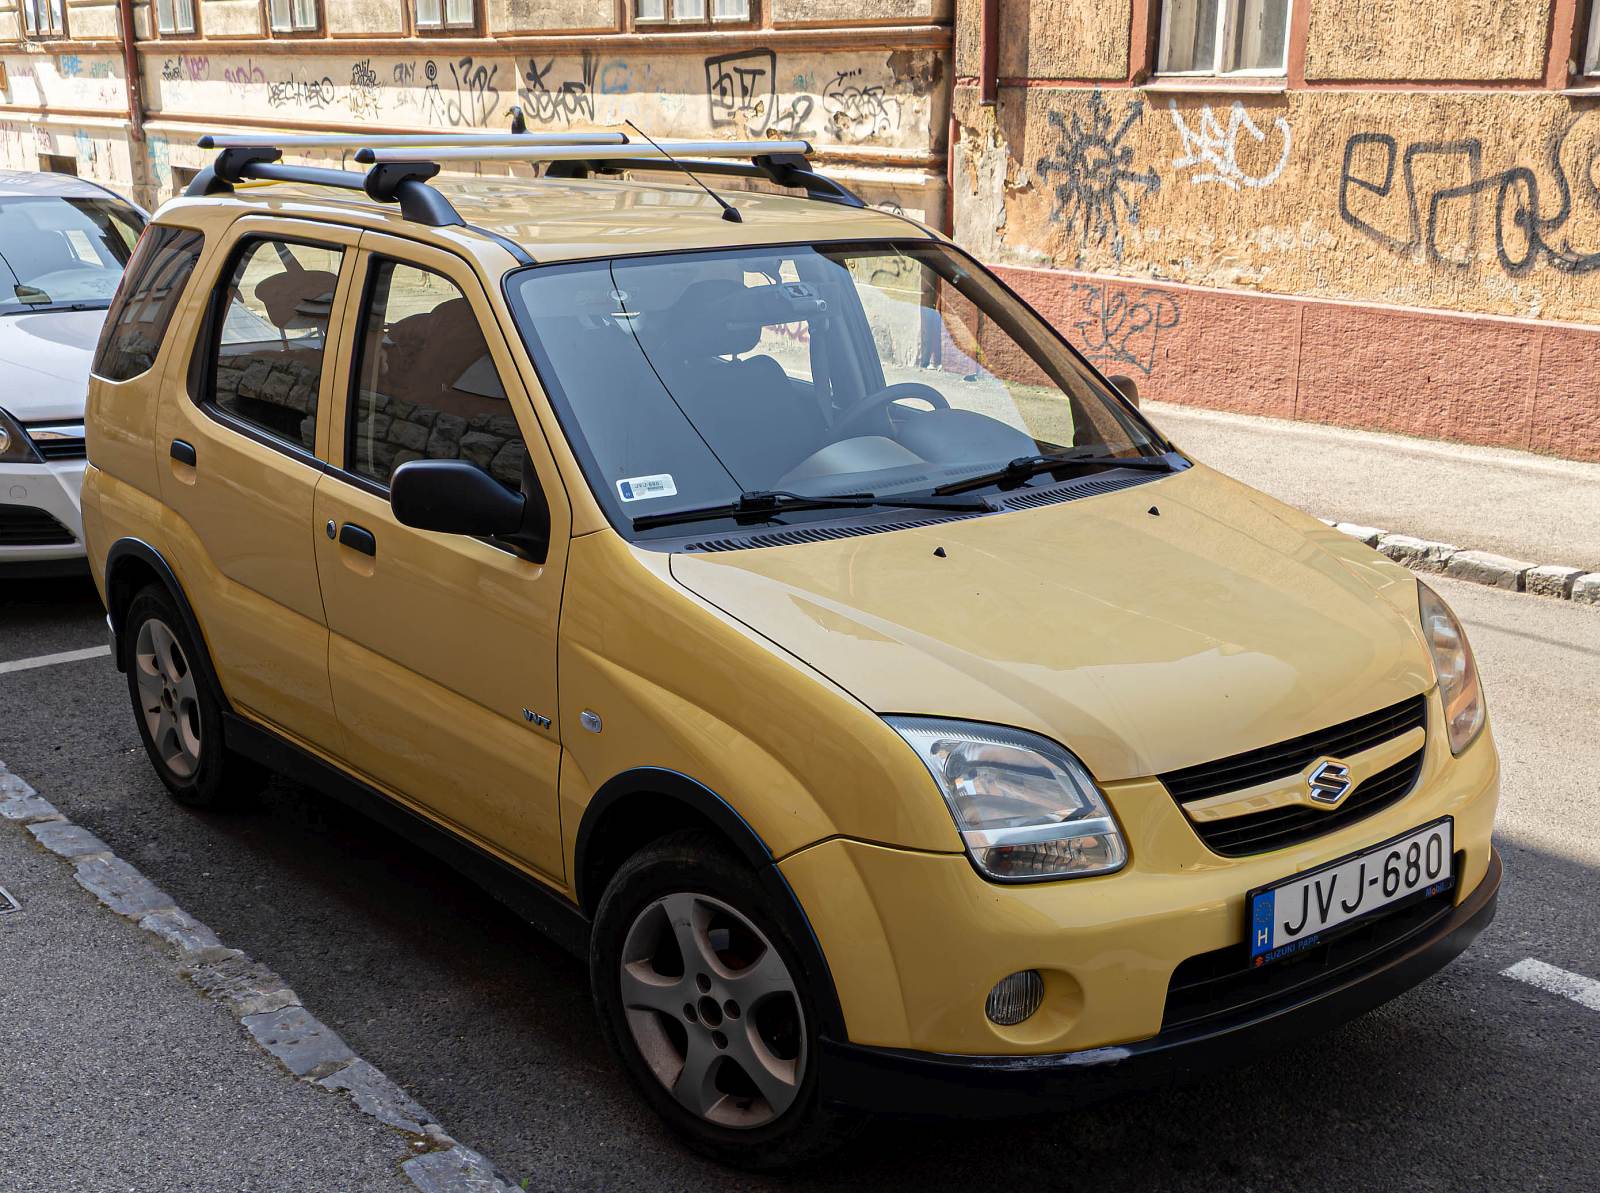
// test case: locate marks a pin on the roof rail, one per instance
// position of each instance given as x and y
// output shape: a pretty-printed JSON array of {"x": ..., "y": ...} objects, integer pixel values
[{"x": 402, "y": 163}]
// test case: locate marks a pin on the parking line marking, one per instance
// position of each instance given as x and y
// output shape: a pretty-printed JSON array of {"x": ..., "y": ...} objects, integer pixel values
[
  {"x": 50, "y": 660},
  {"x": 1581, "y": 990}
]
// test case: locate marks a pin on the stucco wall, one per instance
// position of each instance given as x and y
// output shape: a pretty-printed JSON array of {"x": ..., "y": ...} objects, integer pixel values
[
  {"x": 1427, "y": 39},
  {"x": 370, "y": 17},
  {"x": 1064, "y": 39},
  {"x": 1414, "y": 198}
]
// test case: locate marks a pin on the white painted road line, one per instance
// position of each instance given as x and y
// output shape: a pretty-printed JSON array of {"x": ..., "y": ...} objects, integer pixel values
[
  {"x": 1581, "y": 990},
  {"x": 50, "y": 660}
]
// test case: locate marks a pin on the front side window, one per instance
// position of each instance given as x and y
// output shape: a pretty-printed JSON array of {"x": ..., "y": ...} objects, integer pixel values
[
  {"x": 44, "y": 18},
  {"x": 175, "y": 17},
  {"x": 1224, "y": 37},
  {"x": 270, "y": 335},
  {"x": 63, "y": 253},
  {"x": 292, "y": 16},
  {"x": 145, "y": 302},
  {"x": 426, "y": 387},
  {"x": 692, "y": 380}
]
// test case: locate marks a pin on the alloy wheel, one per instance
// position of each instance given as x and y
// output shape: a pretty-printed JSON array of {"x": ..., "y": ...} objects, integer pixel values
[
  {"x": 713, "y": 1010},
  {"x": 169, "y": 698}
]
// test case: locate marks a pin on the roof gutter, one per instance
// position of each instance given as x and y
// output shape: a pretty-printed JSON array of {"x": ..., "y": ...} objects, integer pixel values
[{"x": 130, "y": 70}]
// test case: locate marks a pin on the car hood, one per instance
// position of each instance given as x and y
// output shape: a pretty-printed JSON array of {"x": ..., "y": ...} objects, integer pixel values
[
  {"x": 1174, "y": 622},
  {"x": 44, "y": 363}
]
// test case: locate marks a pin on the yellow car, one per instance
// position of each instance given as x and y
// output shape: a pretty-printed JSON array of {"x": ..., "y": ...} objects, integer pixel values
[{"x": 759, "y": 596}]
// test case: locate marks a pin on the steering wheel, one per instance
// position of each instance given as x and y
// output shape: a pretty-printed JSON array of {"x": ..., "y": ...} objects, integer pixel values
[{"x": 849, "y": 424}]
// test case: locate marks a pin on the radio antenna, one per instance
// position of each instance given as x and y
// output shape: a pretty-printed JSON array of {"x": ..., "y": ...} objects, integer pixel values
[{"x": 729, "y": 212}]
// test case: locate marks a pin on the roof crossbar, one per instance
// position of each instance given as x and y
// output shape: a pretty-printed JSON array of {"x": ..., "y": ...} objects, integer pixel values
[
  {"x": 402, "y": 163},
  {"x": 390, "y": 140}
]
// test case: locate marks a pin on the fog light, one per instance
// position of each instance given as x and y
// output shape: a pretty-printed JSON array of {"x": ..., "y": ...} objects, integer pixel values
[{"x": 1015, "y": 998}]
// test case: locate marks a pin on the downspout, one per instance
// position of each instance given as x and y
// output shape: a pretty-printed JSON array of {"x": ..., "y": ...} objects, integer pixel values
[
  {"x": 989, "y": 51},
  {"x": 130, "y": 71}
]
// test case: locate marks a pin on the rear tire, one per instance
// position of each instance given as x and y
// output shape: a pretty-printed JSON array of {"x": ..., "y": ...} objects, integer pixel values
[
  {"x": 178, "y": 712},
  {"x": 701, "y": 996}
]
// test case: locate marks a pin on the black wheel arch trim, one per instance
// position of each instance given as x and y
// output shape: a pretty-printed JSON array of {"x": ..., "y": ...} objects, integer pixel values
[
  {"x": 125, "y": 549},
  {"x": 696, "y": 797}
]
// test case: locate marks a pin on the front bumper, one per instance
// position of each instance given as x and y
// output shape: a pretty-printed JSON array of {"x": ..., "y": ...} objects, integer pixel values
[
  {"x": 52, "y": 489},
  {"x": 897, "y": 1081}
]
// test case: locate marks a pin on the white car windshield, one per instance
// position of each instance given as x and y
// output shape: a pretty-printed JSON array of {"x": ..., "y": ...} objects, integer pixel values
[
  {"x": 691, "y": 380},
  {"x": 58, "y": 252}
]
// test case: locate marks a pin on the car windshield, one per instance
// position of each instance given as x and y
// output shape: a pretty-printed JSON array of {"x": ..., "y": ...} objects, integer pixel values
[
  {"x": 60, "y": 252},
  {"x": 686, "y": 380}
]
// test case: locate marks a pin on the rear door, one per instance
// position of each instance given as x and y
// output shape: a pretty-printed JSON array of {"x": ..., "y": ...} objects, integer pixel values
[
  {"x": 240, "y": 461},
  {"x": 443, "y": 648}
]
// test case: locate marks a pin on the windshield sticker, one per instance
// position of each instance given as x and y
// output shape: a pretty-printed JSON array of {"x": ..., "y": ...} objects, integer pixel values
[{"x": 638, "y": 488}]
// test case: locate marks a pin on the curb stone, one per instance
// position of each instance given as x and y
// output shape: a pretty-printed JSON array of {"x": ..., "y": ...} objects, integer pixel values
[
  {"x": 1552, "y": 580},
  {"x": 265, "y": 1006}
]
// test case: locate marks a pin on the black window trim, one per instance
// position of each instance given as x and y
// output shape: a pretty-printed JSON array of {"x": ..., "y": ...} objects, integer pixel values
[
  {"x": 202, "y": 364},
  {"x": 119, "y": 300}
]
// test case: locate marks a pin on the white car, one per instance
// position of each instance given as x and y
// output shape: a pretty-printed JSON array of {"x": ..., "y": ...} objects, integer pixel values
[{"x": 64, "y": 244}]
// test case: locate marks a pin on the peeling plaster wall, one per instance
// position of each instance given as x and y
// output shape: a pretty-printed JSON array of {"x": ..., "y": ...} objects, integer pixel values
[
  {"x": 1427, "y": 39},
  {"x": 1414, "y": 198}
]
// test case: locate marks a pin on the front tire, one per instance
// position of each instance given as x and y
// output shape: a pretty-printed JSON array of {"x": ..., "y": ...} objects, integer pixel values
[
  {"x": 178, "y": 712},
  {"x": 701, "y": 996}
]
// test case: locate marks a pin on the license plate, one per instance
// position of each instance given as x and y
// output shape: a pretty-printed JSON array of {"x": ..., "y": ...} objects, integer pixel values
[{"x": 1295, "y": 913}]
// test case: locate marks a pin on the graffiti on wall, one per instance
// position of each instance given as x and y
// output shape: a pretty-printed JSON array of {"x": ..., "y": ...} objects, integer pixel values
[
  {"x": 858, "y": 109},
  {"x": 293, "y": 91},
  {"x": 547, "y": 99},
  {"x": 1097, "y": 187},
  {"x": 1529, "y": 220},
  {"x": 742, "y": 88},
  {"x": 1118, "y": 329},
  {"x": 1211, "y": 150}
]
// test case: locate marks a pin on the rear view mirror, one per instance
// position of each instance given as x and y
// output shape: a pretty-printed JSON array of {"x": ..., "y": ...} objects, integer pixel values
[
  {"x": 454, "y": 497},
  {"x": 1127, "y": 387}
]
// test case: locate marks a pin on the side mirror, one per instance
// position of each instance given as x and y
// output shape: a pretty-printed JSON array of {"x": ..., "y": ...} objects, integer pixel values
[
  {"x": 454, "y": 497},
  {"x": 1127, "y": 387}
]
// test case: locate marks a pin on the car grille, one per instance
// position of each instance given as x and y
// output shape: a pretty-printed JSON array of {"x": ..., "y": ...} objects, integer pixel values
[
  {"x": 58, "y": 443},
  {"x": 1223, "y": 982},
  {"x": 1278, "y": 828},
  {"x": 25, "y": 526}
]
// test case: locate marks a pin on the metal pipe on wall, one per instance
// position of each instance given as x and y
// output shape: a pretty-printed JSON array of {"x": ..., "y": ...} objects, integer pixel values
[
  {"x": 130, "y": 70},
  {"x": 989, "y": 51}
]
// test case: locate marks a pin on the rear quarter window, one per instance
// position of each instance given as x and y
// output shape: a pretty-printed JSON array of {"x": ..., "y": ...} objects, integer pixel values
[{"x": 145, "y": 302}]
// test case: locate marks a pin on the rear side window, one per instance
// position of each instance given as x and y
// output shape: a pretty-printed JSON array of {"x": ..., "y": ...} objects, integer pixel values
[
  {"x": 137, "y": 322},
  {"x": 270, "y": 335},
  {"x": 426, "y": 386}
]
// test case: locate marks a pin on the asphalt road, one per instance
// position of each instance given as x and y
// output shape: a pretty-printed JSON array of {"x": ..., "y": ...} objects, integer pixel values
[{"x": 1472, "y": 1081}]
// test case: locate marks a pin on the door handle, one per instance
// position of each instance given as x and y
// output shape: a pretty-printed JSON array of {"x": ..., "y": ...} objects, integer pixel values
[
  {"x": 358, "y": 538},
  {"x": 183, "y": 452}
]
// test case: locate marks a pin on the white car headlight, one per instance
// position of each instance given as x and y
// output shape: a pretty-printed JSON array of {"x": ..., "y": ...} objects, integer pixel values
[
  {"x": 1027, "y": 810},
  {"x": 1454, "y": 667}
]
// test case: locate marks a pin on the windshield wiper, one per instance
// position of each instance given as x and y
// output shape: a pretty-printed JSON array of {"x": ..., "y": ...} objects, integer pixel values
[
  {"x": 1023, "y": 467},
  {"x": 765, "y": 503}
]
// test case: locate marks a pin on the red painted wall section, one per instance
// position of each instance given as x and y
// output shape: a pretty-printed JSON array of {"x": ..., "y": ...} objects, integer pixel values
[{"x": 1473, "y": 379}]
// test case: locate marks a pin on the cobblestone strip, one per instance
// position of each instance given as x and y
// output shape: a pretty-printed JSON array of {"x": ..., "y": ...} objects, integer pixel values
[
  {"x": 1480, "y": 567},
  {"x": 268, "y": 1010}
]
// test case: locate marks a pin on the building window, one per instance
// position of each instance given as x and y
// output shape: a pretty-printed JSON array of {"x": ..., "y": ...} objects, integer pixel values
[
  {"x": 445, "y": 14},
  {"x": 1591, "y": 55},
  {"x": 679, "y": 12},
  {"x": 293, "y": 16},
  {"x": 1224, "y": 37},
  {"x": 175, "y": 17},
  {"x": 44, "y": 18}
]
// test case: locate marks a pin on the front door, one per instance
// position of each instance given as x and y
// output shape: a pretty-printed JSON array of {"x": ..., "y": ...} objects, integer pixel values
[
  {"x": 241, "y": 460},
  {"x": 443, "y": 649}
]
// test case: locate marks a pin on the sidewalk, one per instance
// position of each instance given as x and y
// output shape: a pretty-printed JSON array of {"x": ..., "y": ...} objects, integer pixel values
[
  {"x": 117, "y": 1073},
  {"x": 1529, "y": 507}
]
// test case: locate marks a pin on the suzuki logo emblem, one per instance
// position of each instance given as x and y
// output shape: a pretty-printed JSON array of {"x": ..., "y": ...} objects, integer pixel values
[{"x": 1329, "y": 782}]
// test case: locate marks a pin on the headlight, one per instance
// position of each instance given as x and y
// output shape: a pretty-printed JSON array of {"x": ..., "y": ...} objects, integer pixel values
[
  {"x": 1026, "y": 808},
  {"x": 15, "y": 446},
  {"x": 1455, "y": 668}
]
